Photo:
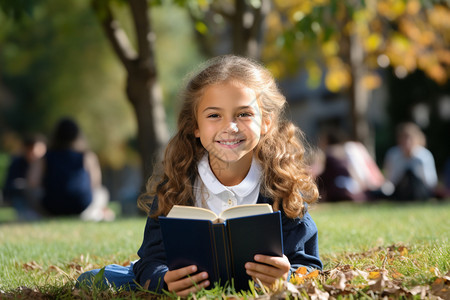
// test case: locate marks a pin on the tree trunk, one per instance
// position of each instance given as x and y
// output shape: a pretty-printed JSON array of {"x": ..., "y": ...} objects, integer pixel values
[
  {"x": 247, "y": 28},
  {"x": 144, "y": 93},
  {"x": 143, "y": 89},
  {"x": 359, "y": 95},
  {"x": 245, "y": 25}
]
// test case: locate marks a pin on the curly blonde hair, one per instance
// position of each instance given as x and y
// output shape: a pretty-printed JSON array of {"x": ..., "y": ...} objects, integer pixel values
[{"x": 281, "y": 152}]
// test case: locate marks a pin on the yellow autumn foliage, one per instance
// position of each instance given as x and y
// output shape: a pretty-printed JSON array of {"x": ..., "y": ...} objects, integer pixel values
[
  {"x": 315, "y": 74},
  {"x": 373, "y": 42},
  {"x": 338, "y": 75},
  {"x": 419, "y": 39},
  {"x": 413, "y": 7},
  {"x": 391, "y": 9}
]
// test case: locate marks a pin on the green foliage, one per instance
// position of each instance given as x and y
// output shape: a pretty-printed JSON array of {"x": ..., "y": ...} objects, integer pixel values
[
  {"x": 17, "y": 9},
  {"x": 174, "y": 32},
  {"x": 56, "y": 64},
  {"x": 59, "y": 63}
]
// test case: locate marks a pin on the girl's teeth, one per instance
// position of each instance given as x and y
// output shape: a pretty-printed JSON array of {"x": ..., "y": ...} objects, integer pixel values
[{"x": 229, "y": 143}]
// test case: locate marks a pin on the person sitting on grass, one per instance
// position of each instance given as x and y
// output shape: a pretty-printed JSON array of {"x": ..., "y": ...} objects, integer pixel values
[
  {"x": 409, "y": 166},
  {"x": 70, "y": 177},
  {"x": 232, "y": 139},
  {"x": 17, "y": 190}
]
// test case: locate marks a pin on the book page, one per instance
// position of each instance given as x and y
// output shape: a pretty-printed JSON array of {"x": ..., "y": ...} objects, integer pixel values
[
  {"x": 191, "y": 212},
  {"x": 246, "y": 210}
]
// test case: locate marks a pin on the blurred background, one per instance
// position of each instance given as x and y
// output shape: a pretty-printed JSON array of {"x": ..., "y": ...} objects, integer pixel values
[{"x": 116, "y": 66}]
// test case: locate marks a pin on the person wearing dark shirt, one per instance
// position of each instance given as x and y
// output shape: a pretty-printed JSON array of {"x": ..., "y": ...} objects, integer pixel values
[
  {"x": 70, "y": 176},
  {"x": 17, "y": 190}
]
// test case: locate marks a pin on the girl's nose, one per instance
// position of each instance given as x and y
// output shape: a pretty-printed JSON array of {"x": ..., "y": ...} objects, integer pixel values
[{"x": 232, "y": 127}]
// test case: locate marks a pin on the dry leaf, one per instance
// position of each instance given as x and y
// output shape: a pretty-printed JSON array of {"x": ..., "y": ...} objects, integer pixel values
[
  {"x": 313, "y": 274},
  {"x": 441, "y": 287},
  {"x": 403, "y": 250},
  {"x": 147, "y": 284},
  {"x": 301, "y": 271},
  {"x": 32, "y": 265},
  {"x": 56, "y": 270},
  {"x": 374, "y": 275}
]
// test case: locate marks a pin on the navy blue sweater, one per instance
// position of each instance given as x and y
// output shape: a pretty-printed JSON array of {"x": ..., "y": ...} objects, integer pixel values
[{"x": 300, "y": 242}]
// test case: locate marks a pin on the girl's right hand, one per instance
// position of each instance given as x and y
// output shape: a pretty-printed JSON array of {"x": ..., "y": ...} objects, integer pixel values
[{"x": 179, "y": 282}]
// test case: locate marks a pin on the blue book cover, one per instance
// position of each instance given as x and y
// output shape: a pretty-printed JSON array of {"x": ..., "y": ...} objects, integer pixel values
[{"x": 221, "y": 248}]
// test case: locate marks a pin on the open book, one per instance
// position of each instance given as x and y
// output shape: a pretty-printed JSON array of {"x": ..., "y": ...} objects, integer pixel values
[
  {"x": 193, "y": 212},
  {"x": 221, "y": 244}
]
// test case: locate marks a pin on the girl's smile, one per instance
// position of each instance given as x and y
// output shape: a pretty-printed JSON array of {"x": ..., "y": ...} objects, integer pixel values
[{"x": 229, "y": 124}]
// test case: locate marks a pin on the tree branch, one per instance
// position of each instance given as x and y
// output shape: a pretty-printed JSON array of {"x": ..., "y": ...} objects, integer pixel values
[
  {"x": 144, "y": 34},
  {"x": 114, "y": 32}
]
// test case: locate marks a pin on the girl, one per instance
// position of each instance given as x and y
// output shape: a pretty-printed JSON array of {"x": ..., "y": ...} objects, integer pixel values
[{"x": 232, "y": 147}]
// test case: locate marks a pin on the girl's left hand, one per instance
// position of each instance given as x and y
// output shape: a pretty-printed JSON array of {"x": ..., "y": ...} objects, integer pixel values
[{"x": 268, "y": 269}]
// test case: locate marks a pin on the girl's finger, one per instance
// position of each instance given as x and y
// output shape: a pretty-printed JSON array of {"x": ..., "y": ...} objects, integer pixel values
[
  {"x": 260, "y": 268},
  {"x": 176, "y": 275},
  {"x": 195, "y": 281},
  {"x": 265, "y": 279},
  {"x": 277, "y": 262}
]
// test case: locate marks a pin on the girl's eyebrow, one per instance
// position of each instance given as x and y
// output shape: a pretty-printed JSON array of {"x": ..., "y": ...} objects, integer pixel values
[
  {"x": 211, "y": 108},
  {"x": 219, "y": 108}
]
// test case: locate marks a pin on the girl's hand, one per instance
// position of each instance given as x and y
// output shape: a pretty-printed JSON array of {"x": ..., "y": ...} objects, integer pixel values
[
  {"x": 268, "y": 269},
  {"x": 178, "y": 281}
]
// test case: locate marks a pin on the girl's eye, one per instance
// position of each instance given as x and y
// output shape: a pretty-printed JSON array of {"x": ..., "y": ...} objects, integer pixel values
[
  {"x": 245, "y": 114},
  {"x": 213, "y": 115}
]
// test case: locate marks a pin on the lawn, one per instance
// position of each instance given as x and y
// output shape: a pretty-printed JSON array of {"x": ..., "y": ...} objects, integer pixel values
[{"x": 401, "y": 246}]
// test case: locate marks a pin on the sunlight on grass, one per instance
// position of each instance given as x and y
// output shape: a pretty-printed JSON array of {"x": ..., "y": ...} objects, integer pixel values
[
  {"x": 358, "y": 227},
  {"x": 408, "y": 240}
]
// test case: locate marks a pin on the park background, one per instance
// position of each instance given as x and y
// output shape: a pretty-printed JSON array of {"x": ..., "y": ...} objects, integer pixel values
[{"x": 362, "y": 66}]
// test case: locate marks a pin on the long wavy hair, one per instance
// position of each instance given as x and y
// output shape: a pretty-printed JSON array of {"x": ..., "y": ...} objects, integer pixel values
[{"x": 281, "y": 151}]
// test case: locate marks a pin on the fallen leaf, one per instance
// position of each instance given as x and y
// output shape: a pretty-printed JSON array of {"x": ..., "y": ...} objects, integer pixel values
[
  {"x": 422, "y": 290},
  {"x": 441, "y": 287},
  {"x": 395, "y": 274},
  {"x": 403, "y": 250},
  {"x": 301, "y": 271},
  {"x": 296, "y": 280},
  {"x": 340, "y": 283},
  {"x": 313, "y": 274},
  {"x": 32, "y": 265},
  {"x": 315, "y": 293},
  {"x": 379, "y": 283},
  {"x": 75, "y": 266},
  {"x": 147, "y": 284},
  {"x": 57, "y": 270},
  {"x": 374, "y": 275}
]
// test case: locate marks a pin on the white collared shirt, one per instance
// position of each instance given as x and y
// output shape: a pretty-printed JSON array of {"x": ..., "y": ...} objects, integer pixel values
[{"x": 212, "y": 194}]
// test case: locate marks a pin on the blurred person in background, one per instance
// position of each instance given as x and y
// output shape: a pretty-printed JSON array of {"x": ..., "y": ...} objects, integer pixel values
[
  {"x": 446, "y": 177},
  {"x": 17, "y": 191},
  {"x": 345, "y": 170},
  {"x": 70, "y": 176},
  {"x": 409, "y": 166}
]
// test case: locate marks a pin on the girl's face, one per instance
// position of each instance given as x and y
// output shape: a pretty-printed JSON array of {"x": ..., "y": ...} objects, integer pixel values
[{"x": 229, "y": 122}]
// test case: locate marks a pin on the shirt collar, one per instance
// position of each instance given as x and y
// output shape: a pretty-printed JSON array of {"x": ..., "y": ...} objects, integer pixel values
[{"x": 243, "y": 189}]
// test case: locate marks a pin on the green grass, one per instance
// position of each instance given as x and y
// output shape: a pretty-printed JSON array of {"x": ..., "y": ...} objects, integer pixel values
[
  {"x": 358, "y": 227},
  {"x": 360, "y": 235},
  {"x": 50, "y": 254}
]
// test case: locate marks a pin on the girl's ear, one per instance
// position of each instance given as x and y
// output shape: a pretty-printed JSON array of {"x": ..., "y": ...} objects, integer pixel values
[
  {"x": 197, "y": 133},
  {"x": 266, "y": 124}
]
